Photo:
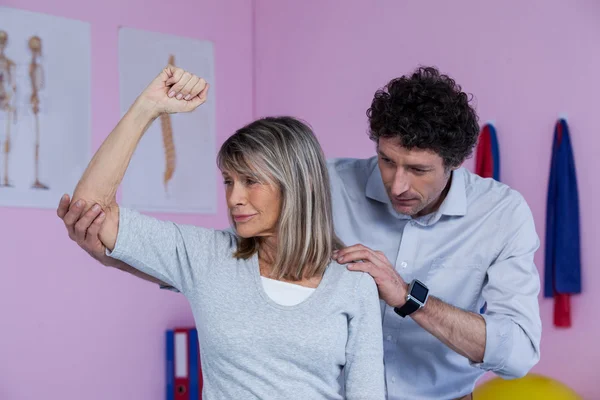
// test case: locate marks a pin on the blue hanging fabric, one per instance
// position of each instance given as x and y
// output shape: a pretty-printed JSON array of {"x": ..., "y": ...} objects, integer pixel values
[
  {"x": 495, "y": 152},
  {"x": 562, "y": 252}
]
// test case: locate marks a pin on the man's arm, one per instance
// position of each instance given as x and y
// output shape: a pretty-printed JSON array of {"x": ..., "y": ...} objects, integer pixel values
[
  {"x": 506, "y": 339},
  {"x": 462, "y": 331},
  {"x": 513, "y": 324}
]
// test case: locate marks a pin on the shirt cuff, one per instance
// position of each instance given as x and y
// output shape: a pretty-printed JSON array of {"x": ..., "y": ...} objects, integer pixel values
[{"x": 498, "y": 341}]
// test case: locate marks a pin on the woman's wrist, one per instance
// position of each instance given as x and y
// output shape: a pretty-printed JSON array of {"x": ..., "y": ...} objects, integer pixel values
[{"x": 144, "y": 110}]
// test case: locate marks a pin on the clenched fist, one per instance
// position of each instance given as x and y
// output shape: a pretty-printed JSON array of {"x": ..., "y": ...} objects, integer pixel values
[{"x": 174, "y": 90}]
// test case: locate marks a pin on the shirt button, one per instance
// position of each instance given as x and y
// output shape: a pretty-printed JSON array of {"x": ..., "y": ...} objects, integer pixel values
[
  {"x": 404, "y": 264},
  {"x": 393, "y": 380},
  {"x": 389, "y": 338}
]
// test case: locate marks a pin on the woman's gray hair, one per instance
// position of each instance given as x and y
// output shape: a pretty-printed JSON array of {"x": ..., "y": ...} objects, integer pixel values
[{"x": 284, "y": 151}]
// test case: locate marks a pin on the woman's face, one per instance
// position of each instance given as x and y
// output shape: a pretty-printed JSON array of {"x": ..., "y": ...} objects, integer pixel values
[{"x": 254, "y": 207}]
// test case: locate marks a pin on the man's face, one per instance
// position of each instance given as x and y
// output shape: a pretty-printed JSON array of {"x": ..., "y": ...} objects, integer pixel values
[{"x": 414, "y": 179}]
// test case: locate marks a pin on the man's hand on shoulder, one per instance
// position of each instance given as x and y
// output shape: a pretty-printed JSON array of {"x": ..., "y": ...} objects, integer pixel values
[{"x": 391, "y": 286}]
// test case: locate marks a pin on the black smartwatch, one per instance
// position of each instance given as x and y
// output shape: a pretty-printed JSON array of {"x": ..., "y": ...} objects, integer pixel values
[{"x": 416, "y": 298}]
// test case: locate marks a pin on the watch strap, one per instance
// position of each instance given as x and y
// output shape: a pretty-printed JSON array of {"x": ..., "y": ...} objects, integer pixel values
[{"x": 407, "y": 308}]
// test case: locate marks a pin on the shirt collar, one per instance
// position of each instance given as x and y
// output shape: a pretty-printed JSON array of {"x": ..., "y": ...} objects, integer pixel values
[
  {"x": 455, "y": 203},
  {"x": 375, "y": 189}
]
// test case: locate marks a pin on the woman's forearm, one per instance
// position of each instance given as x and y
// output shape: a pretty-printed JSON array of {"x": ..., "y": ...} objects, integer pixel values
[{"x": 104, "y": 173}]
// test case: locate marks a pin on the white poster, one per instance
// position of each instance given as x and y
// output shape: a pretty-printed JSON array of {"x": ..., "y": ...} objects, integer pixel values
[
  {"x": 174, "y": 166},
  {"x": 44, "y": 107}
]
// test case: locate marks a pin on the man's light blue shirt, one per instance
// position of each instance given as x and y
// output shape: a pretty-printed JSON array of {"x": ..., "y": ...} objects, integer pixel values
[{"x": 477, "y": 248}]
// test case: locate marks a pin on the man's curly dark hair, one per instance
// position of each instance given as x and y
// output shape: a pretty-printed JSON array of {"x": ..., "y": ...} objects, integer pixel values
[{"x": 426, "y": 110}]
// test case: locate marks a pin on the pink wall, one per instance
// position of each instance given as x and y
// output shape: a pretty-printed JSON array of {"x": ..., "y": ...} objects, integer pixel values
[
  {"x": 69, "y": 328},
  {"x": 526, "y": 62},
  {"x": 73, "y": 330}
]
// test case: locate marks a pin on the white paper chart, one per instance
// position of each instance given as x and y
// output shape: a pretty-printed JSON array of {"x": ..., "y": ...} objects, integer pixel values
[
  {"x": 45, "y": 130},
  {"x": 174, "y": 167}
]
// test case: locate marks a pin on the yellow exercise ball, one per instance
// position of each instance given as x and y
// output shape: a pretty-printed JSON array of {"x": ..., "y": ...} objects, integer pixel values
[{"x": 530, "y": 387}]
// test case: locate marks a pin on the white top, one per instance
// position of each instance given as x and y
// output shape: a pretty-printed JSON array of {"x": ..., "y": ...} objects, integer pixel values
[{"x": 285, "y": 293}]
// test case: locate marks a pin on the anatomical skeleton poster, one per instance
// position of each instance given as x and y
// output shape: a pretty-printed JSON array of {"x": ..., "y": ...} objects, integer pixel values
[{"x": 44, "y": 107}]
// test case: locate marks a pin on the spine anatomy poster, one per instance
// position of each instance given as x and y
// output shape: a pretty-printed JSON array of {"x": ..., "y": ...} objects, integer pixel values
[
  {"x": 44, "y": 107},
  {"x": 174, "y": 167}
]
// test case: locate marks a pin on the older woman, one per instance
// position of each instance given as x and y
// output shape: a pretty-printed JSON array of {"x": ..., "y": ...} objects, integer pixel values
[{"x": 276, "y": 317}]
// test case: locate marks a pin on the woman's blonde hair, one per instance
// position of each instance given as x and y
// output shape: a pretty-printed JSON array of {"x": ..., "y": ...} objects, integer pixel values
[{"x": 284, "y": 151}]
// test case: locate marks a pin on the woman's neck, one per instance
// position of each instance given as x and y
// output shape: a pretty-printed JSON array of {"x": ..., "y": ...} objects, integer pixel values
[
  {"x": 267, "y": 251},
  {"x": 267, "y": 254}
]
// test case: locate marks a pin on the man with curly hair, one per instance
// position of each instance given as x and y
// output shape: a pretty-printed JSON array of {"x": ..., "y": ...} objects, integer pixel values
[{"x": 458, "y": 244}]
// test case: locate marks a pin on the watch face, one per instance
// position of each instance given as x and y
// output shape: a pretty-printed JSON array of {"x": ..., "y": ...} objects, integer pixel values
[{"x": 419, "y": 291}]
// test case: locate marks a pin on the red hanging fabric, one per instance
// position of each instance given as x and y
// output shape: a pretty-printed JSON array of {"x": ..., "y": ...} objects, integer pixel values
[{"x": 484, "y": 163}]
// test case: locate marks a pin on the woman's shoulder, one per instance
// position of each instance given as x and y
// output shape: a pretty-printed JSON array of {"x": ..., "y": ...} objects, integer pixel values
[
  {"x": 351, "y": 281},
  {"x": 351, "y": 290}
]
